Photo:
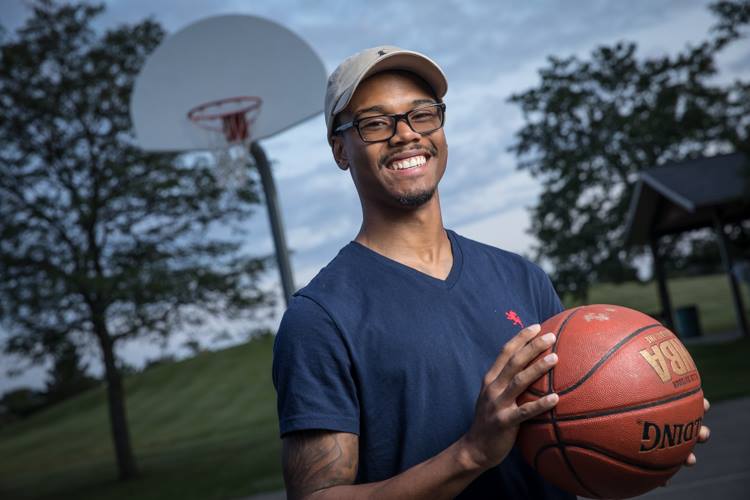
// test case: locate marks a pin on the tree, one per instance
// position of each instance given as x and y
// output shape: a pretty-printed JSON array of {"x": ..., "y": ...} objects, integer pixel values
[
  {"x": 100, "y": 242},
  {"x": 67, "y": 376},
  {"x": 592, "y": 125}
]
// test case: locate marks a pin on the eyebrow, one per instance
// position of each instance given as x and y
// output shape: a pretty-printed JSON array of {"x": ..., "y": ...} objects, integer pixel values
[{"x": 381, "y": 109}]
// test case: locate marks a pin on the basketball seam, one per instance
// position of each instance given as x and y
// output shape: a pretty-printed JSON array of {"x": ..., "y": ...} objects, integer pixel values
[
  {"x": 550, "y": 379},
  {"x": 606, "y": 356},
  {"x": 561, "y": 447},
  {"x": 536, "y": 392},
  {"x": 609, "y": 454},
  {"x": 611, "y": 411},
  {"x": 551, "y": 372}
]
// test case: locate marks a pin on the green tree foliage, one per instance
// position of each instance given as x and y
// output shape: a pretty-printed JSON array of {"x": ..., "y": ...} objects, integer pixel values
[
  {"x": 591, "y": 125},
  {"x": 101, "y": 242},
  {"x": 20, "y": 403}
]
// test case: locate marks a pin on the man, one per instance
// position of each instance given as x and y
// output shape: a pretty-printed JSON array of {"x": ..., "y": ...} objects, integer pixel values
[{"x": 398, "y": 366}]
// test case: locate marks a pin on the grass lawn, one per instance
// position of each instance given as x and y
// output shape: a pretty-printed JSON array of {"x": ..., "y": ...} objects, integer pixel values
[
  {"x": 724, "y": 369},
  {"x": 709, "y": 293},
  {"x": 205, "y": 428}
]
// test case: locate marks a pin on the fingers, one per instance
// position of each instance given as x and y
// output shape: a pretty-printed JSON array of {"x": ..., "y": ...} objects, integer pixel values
[
  {"x": 511, "y": 374},
  {"x": 704, "y": 434},
  {"x": 520, "y": 359},
  {"x": 526, "y": 377},
  {"x": 518, "y": 414},
  {"x": 513, "y": 345}
]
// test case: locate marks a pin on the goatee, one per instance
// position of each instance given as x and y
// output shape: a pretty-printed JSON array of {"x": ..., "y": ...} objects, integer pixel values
[{"x": 416, "y": 200}]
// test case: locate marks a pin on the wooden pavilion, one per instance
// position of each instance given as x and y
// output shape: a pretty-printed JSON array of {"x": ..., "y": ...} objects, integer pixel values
[{"x": 678, "y": 197}]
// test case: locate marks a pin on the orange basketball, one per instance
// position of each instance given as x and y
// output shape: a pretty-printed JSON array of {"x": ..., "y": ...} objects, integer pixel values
[{"x": 630, "y": 404}]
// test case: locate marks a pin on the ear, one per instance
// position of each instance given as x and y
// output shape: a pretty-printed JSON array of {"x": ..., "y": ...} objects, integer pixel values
[{"x": 339, "y": 152}]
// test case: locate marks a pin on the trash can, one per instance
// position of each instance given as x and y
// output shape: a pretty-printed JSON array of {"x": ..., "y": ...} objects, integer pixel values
[{"x": 687, "y": 321}]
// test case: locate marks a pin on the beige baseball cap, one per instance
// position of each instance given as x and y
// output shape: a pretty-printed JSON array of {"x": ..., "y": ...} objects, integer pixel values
[{"x": 344, "y": 81}]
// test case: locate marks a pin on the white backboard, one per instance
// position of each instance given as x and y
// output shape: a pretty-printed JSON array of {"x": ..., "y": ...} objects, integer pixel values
[{"x": 221, "y": 57}]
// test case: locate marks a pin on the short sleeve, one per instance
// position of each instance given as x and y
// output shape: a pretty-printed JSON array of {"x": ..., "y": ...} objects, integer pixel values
[
  {"x": 548, "y": 300},
  {"x": 312, "y": 372}
]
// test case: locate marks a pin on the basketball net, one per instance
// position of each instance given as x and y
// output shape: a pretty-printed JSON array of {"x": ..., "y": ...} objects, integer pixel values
[{"x": 228, "y": 125}]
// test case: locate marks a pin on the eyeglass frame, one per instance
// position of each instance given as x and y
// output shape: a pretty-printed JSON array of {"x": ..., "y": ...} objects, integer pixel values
[{"x": 397, "y": 117}]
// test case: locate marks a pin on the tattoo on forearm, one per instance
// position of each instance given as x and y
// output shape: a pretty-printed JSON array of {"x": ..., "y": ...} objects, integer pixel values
[{"x": 314, "y": 460}]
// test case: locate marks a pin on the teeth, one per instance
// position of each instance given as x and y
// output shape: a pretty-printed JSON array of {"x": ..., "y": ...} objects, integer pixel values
[{"x": 412, "y": 162}]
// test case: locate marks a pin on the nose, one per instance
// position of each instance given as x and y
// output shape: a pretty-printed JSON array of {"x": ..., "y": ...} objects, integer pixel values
[{"x": 404, "y": 133}]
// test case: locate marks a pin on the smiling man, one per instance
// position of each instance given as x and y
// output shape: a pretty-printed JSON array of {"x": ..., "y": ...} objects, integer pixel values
[{"x": 398, "y": 367}]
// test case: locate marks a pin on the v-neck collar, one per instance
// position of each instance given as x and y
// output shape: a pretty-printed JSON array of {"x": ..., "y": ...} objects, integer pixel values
[{"x": 449, "y": 280}]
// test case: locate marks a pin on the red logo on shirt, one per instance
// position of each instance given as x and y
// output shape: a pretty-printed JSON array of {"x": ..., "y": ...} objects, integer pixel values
[{"x": 512, "y": 316}]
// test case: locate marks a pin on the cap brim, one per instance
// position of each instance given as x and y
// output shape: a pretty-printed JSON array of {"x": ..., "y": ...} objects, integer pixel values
[{"x": 404, "y": 60}]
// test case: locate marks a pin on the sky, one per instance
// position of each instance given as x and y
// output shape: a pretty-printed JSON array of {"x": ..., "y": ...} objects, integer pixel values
[{"x": 488, "y": 50}]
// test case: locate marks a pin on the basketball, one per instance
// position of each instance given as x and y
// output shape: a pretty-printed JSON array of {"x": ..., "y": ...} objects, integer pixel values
[{"x": 630, "y": 406}]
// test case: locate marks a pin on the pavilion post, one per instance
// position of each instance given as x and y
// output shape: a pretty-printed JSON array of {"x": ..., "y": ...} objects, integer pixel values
[
  {"x": 734, "y": 287},
  {"x": 661, "y": 283}
]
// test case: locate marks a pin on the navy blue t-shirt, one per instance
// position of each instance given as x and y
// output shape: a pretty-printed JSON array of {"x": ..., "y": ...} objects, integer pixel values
[{"x": 378, "y": 349}]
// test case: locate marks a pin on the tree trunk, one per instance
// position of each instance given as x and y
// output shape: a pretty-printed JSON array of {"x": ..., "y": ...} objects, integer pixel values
[{"x": 126, "y": 465}]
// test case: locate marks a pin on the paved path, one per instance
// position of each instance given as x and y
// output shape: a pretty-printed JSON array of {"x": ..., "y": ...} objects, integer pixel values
[
  {"x": 723, "y": 468},
  {"x": 274, "y": 495}
]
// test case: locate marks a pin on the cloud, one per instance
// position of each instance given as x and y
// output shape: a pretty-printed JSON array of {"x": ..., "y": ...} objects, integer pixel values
[{"x": 506, "y": 230}]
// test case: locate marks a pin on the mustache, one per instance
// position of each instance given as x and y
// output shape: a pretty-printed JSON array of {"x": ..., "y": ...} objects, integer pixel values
[{"x": 430, "y": 150}]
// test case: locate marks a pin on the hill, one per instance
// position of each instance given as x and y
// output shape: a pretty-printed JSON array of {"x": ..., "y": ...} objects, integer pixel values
[{"x": 201, "y": 428}]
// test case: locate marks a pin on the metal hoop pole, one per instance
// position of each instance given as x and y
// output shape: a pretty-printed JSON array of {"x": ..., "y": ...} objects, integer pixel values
[{"x": 274, "y": 215}]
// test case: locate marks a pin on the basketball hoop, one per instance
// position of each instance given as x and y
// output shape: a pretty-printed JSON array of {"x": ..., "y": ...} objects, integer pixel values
[
  {"x": 229, "y": 124},
  {"x": 219, "y": 57}
]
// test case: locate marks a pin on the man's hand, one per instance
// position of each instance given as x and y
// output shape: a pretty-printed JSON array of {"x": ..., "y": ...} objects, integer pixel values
[
  {"x": 703, "y": 436},
  {"x": 497, "y": 417}
]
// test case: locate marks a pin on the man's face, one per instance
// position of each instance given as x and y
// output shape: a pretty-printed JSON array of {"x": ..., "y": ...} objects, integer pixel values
[{"x": 405, "y": 170}]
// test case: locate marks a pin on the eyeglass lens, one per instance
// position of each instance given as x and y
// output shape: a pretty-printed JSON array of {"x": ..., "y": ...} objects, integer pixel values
[{"x": 422, "y": 120}]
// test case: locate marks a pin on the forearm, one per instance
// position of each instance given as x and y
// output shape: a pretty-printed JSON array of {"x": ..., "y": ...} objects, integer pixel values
[{"x": 443, "y": 476}]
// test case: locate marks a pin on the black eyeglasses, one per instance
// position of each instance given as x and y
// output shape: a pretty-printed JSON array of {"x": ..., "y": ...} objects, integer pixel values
[{"x": 422, "y": 120}]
